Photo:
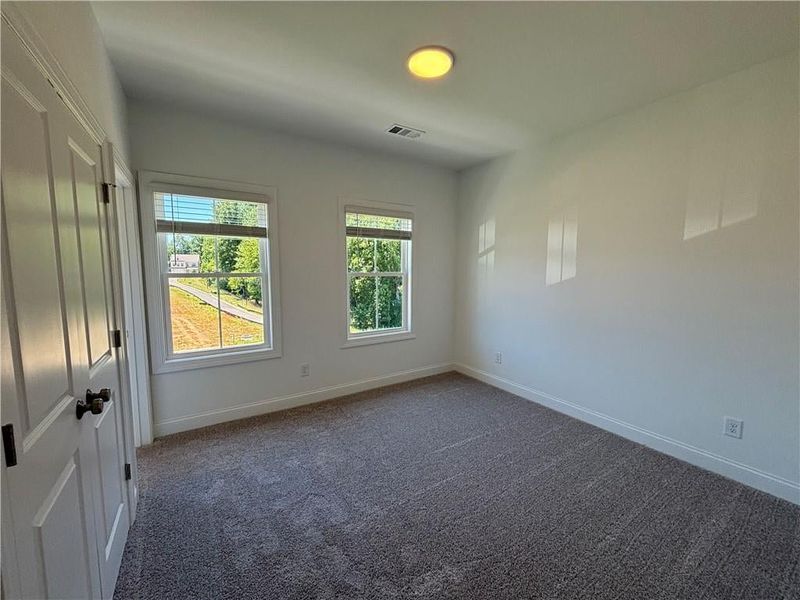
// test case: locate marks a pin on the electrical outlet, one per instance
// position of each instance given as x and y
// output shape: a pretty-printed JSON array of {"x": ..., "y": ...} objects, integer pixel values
[
  {"x": 305, "y": 369},
  {"x": 498, "y": 358},
  {"x": 732, "y": 427}
]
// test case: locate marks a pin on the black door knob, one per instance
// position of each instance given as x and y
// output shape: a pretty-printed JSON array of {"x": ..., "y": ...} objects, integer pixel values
[
  {"x": 93, "y": 402},
  {"x": 104, "y": 395}
]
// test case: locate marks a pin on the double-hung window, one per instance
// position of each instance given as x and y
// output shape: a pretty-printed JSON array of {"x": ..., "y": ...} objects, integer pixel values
[
  {"x": 215, "y": 279},
  {"x": 378, "y": 254}
]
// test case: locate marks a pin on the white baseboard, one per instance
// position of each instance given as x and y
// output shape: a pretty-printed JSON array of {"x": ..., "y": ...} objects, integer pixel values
[
  {"x": 293, "y": 400},
  {"x": 761, "y": 480}
]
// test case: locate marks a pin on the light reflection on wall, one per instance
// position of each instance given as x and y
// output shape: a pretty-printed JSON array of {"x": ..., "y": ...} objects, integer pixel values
[
  {"x": 727, "y": 159},
  {"x": 562, "y": 247},
  {"x": 486, "y": 247}
]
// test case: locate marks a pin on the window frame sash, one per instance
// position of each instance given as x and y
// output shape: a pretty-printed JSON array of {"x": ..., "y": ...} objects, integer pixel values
[
  {"x": 166, "y": 275},
  {"x": 217, "y": 229},
  {"x": 372, "y": 233},
  {"x": 378, "y": 232},
  {"x": 404, "y": 274}
]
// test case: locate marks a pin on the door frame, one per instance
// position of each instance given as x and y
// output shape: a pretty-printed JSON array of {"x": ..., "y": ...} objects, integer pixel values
[
  {"x": 135, "y": 335},
  {"x": 121, "y": 309}
]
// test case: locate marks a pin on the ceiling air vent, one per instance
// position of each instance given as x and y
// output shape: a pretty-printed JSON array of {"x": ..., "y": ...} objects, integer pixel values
[{"x": 403, "y": 131}]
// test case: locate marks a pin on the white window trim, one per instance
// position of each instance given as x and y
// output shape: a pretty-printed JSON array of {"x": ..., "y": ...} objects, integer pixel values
[
  {"x": 378, "y": 337},
  {"x": 157, "y": 305}
]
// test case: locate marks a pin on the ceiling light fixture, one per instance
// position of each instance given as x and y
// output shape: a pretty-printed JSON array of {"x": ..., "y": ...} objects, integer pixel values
[{"x": 430, "y": 62}]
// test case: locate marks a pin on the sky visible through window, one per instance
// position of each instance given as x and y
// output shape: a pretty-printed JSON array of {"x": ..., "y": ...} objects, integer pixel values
[{"x": 178, "y": 207}]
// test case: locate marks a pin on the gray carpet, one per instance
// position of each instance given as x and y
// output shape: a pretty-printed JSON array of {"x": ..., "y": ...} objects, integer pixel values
[{"x": 444, "y": 488}]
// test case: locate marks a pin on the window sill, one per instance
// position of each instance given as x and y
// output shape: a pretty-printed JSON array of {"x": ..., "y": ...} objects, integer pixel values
[
  {"x": 379, "y": 338},
  {"x": 174, "y": 365}
]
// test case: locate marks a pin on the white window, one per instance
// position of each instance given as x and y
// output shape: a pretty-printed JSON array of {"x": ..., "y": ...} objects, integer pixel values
[
  {"x": 211, "y": 252},
  {"x": 378, "y": 242}
]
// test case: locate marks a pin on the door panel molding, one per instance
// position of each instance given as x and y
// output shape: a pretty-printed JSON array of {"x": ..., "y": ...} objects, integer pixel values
[
  {"x": 63, "y": 559},
  {"x": 66, "y": 402},
  {"x": 88, "y": 219},
  {"x": 38, "y": 223}
]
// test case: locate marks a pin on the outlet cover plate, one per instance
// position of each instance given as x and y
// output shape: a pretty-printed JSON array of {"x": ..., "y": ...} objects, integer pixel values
[{"x": 733, "y": 427}]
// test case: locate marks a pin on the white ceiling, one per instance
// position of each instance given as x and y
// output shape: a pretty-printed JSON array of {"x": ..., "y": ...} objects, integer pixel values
[{"x": 524, "y": 71}]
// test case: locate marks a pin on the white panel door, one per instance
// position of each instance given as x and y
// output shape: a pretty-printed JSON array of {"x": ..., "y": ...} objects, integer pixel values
[
  {"x": 65, "y": 499},
  {"x": 83, "y": 187}
]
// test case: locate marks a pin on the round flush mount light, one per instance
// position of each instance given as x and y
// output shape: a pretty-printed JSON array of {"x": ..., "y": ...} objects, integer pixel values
[{"x": 430, "y": 62}]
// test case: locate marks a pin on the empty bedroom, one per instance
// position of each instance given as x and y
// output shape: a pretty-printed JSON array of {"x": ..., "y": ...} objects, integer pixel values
[{"x": 400, "y": 300}]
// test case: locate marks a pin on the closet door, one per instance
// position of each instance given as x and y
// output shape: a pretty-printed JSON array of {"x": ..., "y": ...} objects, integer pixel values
[{"x": 66, "y": 500}]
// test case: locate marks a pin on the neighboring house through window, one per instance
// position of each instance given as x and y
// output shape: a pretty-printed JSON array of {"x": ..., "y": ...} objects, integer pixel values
[{"x": 184, "y": 263}]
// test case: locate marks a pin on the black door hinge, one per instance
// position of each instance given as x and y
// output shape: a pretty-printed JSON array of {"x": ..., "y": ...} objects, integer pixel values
[
  {"x": 9, "y": 447},
  {"x": 116, "y": 338},
  {"x": 127, "y": 471},
  {"x": 107, "y": 192}
]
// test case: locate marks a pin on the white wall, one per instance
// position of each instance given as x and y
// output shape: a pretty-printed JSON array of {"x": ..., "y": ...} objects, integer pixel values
[
  {"x": 310, "y": 177},
  {"x": 683, "y": 306},
  {"x": 72, "y": 36}
]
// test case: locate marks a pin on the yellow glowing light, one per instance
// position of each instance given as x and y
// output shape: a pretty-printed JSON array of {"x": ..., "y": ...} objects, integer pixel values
[{"x": 430, "y": 62}]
